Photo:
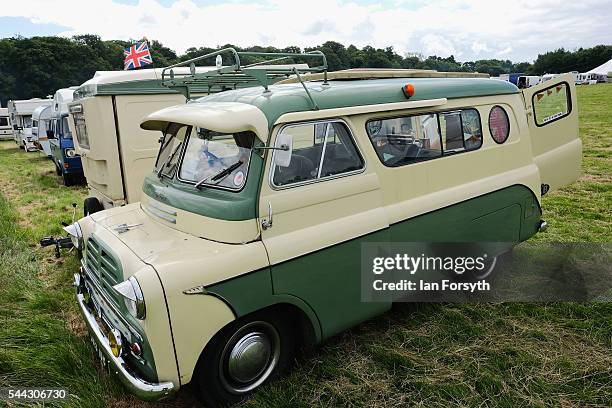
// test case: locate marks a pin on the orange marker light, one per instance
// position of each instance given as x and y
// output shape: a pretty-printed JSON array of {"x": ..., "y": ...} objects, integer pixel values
[{"x": 408, "y": 90}]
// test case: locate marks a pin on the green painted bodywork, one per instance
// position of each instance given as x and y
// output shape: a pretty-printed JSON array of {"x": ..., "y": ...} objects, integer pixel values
[
  {"x": 147, "y": 371},
  {"x": 328, "y": 281},
  {"x": 209, "y": 202},
  {"x": 288, "y": 98}
]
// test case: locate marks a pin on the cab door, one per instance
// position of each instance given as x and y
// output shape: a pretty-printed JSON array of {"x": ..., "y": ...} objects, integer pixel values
[
  {"x": 552, "y": 116},
  {"x": 324, "y": 204}
]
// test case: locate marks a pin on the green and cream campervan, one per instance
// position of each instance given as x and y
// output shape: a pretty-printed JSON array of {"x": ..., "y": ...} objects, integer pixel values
[{"x": 246, "y": 244}]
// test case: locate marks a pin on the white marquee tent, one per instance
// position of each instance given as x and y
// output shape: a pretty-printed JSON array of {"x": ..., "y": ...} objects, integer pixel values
[{"x": 602, "y": 69}]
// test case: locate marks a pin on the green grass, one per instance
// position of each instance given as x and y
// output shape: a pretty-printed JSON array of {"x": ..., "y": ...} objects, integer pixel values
[{"x": 428, "y": 355}]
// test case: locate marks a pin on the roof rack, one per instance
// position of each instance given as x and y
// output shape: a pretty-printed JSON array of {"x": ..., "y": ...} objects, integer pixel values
[{"x": 236, "y": 75}]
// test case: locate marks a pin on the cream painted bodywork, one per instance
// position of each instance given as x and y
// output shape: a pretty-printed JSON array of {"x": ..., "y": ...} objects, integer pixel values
[
  {"x": 156, "y": 327},
  {"x": 120, "y": 153},
  {"x": 181, "y": 261},
  {"x": 318, "y": 215}
]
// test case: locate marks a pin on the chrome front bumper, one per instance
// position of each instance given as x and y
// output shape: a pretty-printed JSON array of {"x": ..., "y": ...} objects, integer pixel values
[{"x": 141, "y": 388}]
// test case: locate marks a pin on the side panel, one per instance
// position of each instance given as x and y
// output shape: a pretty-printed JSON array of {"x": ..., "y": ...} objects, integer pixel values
[
  {"x": 138, "y": 147},
  {"x": 314, "y": 245},
  {"x": 552, "y": 115}
]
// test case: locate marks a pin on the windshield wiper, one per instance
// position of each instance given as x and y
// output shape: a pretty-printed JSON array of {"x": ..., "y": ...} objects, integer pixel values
[
  {"x": 169, "y": 159},
  {"x": 221, "y": 175}
]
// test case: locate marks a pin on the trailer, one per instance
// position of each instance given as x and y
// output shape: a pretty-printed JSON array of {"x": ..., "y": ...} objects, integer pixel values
[
  {"x": 41, "y": 121},
  {"x": 20, "y": 113}
]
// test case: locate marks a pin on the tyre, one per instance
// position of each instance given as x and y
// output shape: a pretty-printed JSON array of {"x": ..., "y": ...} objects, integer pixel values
[
  {"x": 242, "y": 357},
  {"x": 58, "y": 171},
  {"x": 67, "y": 179},
  {"x": 91, "y": 205}
]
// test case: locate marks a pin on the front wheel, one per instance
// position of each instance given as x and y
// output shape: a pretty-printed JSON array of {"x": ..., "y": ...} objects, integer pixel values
[
  {"x": 242, "y": 357},
  {"x": 91, "y": 205}
]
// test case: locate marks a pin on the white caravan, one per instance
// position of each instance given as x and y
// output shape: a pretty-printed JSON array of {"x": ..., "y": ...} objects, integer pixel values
[
  {"x": 41, "y": 119},
  {"x": 6, "y": 132},
  {"x": 20, "y": 113}
]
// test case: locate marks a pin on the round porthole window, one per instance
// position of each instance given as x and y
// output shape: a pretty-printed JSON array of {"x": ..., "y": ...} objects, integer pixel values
[{"x": 499, "y": 124}]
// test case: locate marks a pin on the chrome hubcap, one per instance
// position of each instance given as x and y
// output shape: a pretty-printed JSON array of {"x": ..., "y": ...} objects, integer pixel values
[{"x": 249, "y": 357}]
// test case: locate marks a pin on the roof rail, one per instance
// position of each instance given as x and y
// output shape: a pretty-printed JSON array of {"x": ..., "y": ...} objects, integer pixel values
[
  {"x": 377, "y": 73},
  {"x": 235, "y": 75}
]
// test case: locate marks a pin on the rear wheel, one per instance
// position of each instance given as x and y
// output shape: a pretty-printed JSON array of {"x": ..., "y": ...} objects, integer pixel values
[
  {"x": 91, "y": 205},
  {"x": 242, "y": 357},
  {"x": 68, "y": 179}
]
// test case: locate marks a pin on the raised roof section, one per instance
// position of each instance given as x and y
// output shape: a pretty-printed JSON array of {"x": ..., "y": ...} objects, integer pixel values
[{"x": 286, "y": 98}]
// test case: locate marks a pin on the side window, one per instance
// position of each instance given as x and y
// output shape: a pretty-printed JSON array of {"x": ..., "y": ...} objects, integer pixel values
[
  {"x": 499, "y": 124},
  {"x": 460, "y": 130},
  {"x": 320, "y": 150},
  {"x": 80, "y": 129},
  {"x": 404, "y": 140},
  {"x": 411, "y": 139},
  {"x": 551, "y": 104}
]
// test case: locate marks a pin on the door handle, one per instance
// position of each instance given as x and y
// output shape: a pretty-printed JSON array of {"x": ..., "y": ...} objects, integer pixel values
[{"x": 267, "y": 223}]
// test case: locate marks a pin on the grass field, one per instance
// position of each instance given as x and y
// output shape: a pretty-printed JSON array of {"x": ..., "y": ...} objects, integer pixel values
[{"x": 435, "y": 355}]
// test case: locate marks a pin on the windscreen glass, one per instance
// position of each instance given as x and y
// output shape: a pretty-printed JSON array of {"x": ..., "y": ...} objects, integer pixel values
[{"x": 215, "y": 159}]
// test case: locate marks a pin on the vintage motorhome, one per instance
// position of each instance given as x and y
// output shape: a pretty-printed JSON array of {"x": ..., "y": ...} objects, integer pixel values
[
  {"x": 116, "y": 152},
  {"x": 67, "y": 161},
  {"x": 20, "y": 113},
  {"x": 6, "y": 131},
  {"x": 41, "y": 122},
  {"x": 246, "y": 244}
]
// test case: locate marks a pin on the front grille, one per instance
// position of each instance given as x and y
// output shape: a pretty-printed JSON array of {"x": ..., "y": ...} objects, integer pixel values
[{"x": 105, "y": 269}]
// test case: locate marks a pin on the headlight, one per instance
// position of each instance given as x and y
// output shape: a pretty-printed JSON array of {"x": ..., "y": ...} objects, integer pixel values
[
  {"x": 132, "y": 296},
  {"x": 76, "y": 235},
  {"x": 70, "y": 153}
]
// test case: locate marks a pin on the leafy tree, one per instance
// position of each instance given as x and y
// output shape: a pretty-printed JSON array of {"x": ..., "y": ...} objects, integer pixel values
[{"x": 38, "y": 66}]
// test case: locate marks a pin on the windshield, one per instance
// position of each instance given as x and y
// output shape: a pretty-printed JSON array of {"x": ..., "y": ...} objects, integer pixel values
[
  {"x": 210, "y": 159},
  {"x": 217, "y": 159},
  {"x": 66, "y": 133},
  {"x": 170, "y": 149}
]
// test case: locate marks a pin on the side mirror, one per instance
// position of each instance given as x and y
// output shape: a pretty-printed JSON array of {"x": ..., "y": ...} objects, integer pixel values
[
  {"x": 283, "y": 148},
  {"x": 50, "y": 134}
]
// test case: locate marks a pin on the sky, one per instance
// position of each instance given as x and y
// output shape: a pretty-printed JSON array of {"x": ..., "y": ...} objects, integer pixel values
[{"x": 517, "y": 29}]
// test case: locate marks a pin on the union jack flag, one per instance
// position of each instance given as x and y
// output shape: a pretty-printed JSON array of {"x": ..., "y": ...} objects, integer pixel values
[{"x": 136, "y": 56}]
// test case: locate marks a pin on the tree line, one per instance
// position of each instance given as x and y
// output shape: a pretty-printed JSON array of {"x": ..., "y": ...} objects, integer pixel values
[{"x": 37, "y": 66}]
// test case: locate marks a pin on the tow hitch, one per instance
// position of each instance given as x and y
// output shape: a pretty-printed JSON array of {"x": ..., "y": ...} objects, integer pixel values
[{"x": 63, "y": 242}]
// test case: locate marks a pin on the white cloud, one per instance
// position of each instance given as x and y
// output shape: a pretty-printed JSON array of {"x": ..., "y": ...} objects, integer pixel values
[
  {"x": 470, "y": 29},
  {"x": 478, "y": 47}
]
